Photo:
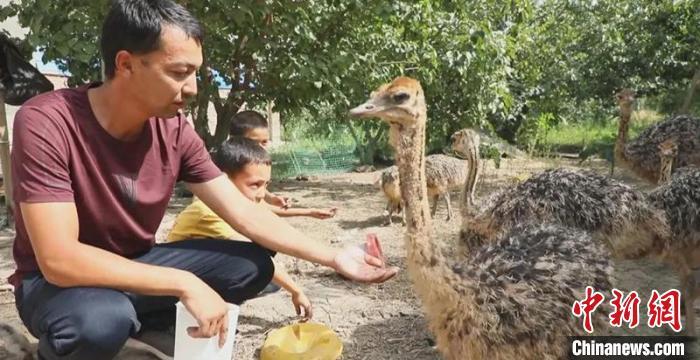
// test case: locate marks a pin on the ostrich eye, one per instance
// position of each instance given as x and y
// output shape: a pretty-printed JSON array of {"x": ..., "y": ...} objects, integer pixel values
[{"x": 400, "y": 97}]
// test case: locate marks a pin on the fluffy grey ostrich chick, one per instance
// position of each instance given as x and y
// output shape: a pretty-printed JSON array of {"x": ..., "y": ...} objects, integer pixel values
[
  {"x": 641, "y": 155},
  {"x": 679, "y": 198},
  {"x": 612, "y": 212},
  {"x": 442, "y": 173}
]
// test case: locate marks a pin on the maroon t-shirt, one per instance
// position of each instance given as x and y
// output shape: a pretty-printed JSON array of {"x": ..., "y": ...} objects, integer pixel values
[{"x": 60, "y": 153}]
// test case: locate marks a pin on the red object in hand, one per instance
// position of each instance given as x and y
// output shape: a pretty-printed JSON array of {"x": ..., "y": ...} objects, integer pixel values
[{"x": 373, "y": 248}]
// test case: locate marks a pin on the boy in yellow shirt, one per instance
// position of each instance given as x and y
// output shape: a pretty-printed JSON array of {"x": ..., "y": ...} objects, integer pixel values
[
  {"x": 253, "y": 125},
  {"x": 248, "y": 166}
]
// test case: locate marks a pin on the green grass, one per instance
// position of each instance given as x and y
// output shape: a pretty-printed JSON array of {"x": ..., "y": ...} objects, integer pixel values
[{"x": 595, "y": 137}]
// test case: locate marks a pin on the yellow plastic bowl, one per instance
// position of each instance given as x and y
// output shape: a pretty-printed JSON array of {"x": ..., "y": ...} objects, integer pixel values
[{"x": 305, "y": 341}]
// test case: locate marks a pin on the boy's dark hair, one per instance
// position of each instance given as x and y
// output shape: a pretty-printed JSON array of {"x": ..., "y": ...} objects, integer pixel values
[
  {"x": 135, "y": 26},
  {"x": 246, "y": 120},
  {"x": 237, "y": 152}
]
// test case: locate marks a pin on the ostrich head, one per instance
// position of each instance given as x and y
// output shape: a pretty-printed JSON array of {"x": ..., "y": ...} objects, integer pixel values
[
  {"x": 625, "y": 99},
  {"x": 400, "y": 102},
  {"x": 668, "y": 148},
  {"x": 465, "y": 143}
]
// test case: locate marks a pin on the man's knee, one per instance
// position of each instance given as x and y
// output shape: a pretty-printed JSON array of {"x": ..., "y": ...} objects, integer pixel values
[
  {"x": 254, "y": 271},
  {"x": 95, "y": 329},
  {"x": 262, "y": 271}
]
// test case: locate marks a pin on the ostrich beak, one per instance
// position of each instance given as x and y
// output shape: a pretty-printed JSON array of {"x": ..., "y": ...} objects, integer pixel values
[{"x": 367, "y": 109}]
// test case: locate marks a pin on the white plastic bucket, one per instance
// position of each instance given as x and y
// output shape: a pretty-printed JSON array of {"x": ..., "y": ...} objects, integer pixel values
[{"x": 189, "y": 348}]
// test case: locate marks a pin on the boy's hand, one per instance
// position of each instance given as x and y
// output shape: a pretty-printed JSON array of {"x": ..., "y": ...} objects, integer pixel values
[
  {"x": 301, "y": 302},
  {"x": 323, "y": 214},
  {"x": 279, "y": 201}
]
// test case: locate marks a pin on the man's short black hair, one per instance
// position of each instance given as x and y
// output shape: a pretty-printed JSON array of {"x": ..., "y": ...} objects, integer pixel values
[
  {"x": 245, "y": 121},
  {"x": 237, "y": 152},
  {"x": 135, "y": 26}
]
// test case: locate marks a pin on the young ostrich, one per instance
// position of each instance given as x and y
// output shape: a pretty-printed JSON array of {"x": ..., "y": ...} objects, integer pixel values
[
  {"x": 613, "y": 213},
  {"x": 679, "y": 197},
  {"x": 641, "y": 155},
  {"x": 668, "y": 150},
  {"x": 389, "y": 184},
  {"x": 510, "y": 299},
  {"x": 443, "y": 173}
]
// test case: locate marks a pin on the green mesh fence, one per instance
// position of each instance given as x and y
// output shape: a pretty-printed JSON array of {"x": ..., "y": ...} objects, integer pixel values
[{"x": 287, "y": 163}]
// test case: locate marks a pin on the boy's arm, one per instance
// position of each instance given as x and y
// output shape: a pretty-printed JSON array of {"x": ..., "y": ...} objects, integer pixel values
[
  {"x": 289, "y": 212},
  {"x": 282, "y": 278},
  {"x": 265, "y": 228},
  {"x": 311, "y": 212},
  {"x": 302, "y": 304},
  {"x": 274, "y": 200}
]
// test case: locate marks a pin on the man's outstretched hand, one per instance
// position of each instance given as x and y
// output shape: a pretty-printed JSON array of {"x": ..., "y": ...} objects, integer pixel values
[
  {"x": 355, "y": 263},
  {"x": 373, "y": 247}
]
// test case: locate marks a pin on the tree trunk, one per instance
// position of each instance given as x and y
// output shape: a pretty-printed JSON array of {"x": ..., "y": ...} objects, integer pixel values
[
  {"x": 5, "y": 160},
  {"x": 361, "y": 150},
  {"x": 368, "y": 146},
  {"x": 374, "y": 144},
  {"x": 694, "y": 83},
  {"x": 225, "y": 109},
  {"x": 223, "y": 123},
  {"x": 199, "y": 112},
  {"x": 369, "y": 153}
]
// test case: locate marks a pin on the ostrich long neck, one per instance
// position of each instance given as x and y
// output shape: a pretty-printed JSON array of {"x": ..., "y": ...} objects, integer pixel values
[
  {"x": 625, "y": 115},
  {"x": 428, "y": 268},
  {"x": 666, "y": 170},
  {"x": 410, "y": 143},
  {"x": 473, "y": 172}
]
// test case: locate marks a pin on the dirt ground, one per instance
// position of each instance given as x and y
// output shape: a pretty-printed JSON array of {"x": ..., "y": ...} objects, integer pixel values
[{"x": 378, "y": 321}]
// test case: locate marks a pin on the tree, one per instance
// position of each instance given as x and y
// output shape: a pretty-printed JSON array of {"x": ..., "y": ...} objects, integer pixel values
[
  {"x": 304, "y": 55},
  {"x": 491, "y": 64},
  {"x": 290, "y": 52}
]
